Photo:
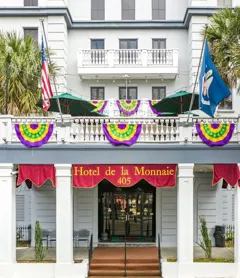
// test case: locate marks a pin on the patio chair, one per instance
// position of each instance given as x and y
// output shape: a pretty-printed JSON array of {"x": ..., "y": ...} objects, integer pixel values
[
  {"x": 83, "y": 235},
  {"x": 45, "y": 235},
  {"x": 75, "y": 237},
  {"x": 52, "y": 237}
]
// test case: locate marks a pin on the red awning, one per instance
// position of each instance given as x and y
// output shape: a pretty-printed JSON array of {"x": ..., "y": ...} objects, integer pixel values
[
  {"x": 229, "y": 173},
  {"x": 124, "y": 175},
  {"x": 37, "y": 174}
]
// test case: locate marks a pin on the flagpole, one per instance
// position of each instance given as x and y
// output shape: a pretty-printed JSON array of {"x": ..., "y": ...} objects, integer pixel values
[
  {"x": 196, "y": 79},
  {"x": 54, "y": 81}
]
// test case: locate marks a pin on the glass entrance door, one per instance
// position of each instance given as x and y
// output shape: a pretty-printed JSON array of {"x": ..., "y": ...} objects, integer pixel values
[{"x": 129, "y": 214}]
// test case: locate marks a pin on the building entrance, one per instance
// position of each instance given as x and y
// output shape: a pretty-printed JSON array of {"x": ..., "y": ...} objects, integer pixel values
[{"x": 127, "y": 212}]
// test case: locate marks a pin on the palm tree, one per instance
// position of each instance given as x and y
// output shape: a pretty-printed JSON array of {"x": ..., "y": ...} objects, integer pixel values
[
  {"x": 23, "y": 58},
  {"x": 223, "y": 36}
]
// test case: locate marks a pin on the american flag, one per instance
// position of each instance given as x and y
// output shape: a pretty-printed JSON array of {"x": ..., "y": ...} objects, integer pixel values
[{"x": 46, "y": 86}]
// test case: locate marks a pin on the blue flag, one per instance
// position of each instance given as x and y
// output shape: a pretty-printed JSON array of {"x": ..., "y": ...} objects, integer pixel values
[{"x": 212, "y": 89}]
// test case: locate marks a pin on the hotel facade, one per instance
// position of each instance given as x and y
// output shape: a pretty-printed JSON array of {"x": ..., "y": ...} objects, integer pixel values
[{"x": 112, "y": 50}]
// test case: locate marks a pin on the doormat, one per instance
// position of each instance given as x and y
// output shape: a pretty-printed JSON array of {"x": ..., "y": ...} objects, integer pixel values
[{"x": 128, "y": 239}]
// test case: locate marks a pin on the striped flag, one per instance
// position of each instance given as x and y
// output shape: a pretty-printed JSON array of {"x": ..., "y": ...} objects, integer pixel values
[{"x": 46, "y": 86}]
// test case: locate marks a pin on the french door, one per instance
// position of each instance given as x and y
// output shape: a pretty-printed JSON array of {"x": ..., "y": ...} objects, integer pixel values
[{"x": 130, "y": 215}]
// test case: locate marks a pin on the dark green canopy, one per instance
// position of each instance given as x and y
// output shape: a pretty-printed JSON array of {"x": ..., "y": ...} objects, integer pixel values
[
  {"x": 166, "y": 114},
  {"x": 177, "y": 103},
  {"x": 72, "y": 105}
]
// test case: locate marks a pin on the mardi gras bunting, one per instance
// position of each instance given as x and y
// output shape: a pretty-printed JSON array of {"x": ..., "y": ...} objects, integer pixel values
[
  {"x": 128, "y": 106},
  {"x": 34, "y": 135},
  {"x": 215, "y": 134},
  {"x": 100, "y": 104},
  {"x": 122, "y": 134},
  {"x": 151, "y": 104}
]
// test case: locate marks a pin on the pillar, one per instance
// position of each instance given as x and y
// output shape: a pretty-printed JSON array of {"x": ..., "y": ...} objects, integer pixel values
[
  {"x": 185, "y": 219},
  {"x": 7, "y": 214},
  {"x": 64, "y": 214},
  {"x": 237, "y": 230}
]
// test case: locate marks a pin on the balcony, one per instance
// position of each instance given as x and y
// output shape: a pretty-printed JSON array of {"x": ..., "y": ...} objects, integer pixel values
[
  {"x": 137, "y": 63},
  {"x": 89, "y": 130}
]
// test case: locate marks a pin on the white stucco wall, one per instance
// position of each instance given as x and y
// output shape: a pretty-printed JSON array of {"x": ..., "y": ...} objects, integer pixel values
[{"x": 82, "y": 40}]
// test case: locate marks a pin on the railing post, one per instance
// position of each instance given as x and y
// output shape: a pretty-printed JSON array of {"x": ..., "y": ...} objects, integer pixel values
[
  {"x": 5, "y": 129},
  {"x": 185, "y": 129},
  {"x": 63, "y": 129},
  {"x": 110, "y": 58},
  {"x": 144, "y": 58}
]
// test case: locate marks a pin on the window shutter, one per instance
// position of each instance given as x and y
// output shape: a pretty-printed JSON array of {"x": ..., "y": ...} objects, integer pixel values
[{"x": 20, "y": 208}]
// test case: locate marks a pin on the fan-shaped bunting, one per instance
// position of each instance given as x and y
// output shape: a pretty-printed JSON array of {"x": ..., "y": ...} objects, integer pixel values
[
  {"x": 100, "y": 104},
  {"x": 128, "y": 106},
  {"x": 34, "y": 135},
  {"x": 151, "y": 103},
  {"x": 122, "y": 134},
  {"x": 215, "y": 134}
]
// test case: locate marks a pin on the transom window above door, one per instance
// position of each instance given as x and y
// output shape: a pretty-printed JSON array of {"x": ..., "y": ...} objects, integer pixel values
[
  {"x": 158, "y": 92},
  {"x": 97, "y": 93},
  {"x": 128, "y": 44},
  {"x": 131, "y": 93}
]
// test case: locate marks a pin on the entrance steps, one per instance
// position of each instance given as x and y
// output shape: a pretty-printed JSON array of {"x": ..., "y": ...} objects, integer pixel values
[{"x": 109, "y": 262}]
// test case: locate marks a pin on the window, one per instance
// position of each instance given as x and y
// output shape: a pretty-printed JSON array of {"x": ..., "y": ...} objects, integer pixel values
[
  {"x": 31, "y": 32},
  {"x": 97, "y": 93},
  {"x": 128, "y": 57},
  {"x": 131, "y": 93},
  {"x": 98, "y": 56},
  {"x": 30, "y": 2},
  {"x": 159, "y": 56},
  {"x": 159, "y": 44},
  {"x": 224, "y": 3},
  {"x": 97, "y": 9},
  {"x": 226, "y": 104},
  {"x": 158, "y": 92},
  {"x": 97, "y": 44},
  {"x": 128, "y": 9},
  {"x": 158, "y": 9},
  {"x": 128, "y": 44}
]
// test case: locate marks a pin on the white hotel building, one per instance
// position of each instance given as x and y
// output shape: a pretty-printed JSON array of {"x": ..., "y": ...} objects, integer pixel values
[{"x": 113, "y": 49}]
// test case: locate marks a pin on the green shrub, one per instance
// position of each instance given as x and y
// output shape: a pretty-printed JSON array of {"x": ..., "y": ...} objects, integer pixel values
[
  {"x": 39, "y": 250},
  {"x": 205, "y": 243}
]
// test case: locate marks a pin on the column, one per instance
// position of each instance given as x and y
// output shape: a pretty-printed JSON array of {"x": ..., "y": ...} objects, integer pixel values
[
  {"x": 237, "y": 230},
  {"x": 185, "y": 218},
  {"x": 64, "y": 214},
  {"x": 7, "y": 214}
]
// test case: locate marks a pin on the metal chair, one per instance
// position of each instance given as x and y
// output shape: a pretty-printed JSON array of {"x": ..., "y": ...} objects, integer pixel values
[
  {"x": 83, "y": 235},
  {"x": 75, "y": 237},
  {"x": 52, "y": 237},
  {"x": 45, "y": 235}
]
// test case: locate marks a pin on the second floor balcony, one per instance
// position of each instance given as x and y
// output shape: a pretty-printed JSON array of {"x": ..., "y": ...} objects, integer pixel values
[
  {"x": 89, "y": 130},
  {"x": 138, "y": 63}
]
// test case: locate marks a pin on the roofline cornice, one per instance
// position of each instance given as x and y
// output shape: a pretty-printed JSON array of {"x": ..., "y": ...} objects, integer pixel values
[{"x": 119, "y": 24}]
